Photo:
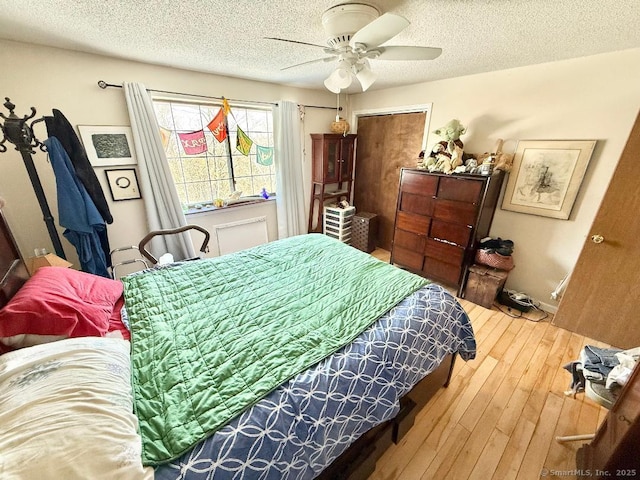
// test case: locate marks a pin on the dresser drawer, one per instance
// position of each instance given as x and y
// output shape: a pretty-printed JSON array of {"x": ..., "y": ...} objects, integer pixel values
[
  {"x": 444, "y": 252},
  {"x": 455, "y": 212},
  {"x": 418, "y": 183},
  {"x": 413, "y": 223},
  {"x": 412, "y": 203},
  {"x": 451, "y": 232},
  {"x": 460, "y": 189},
  {"x": 409, "y": 240},
  {"x": 439, "y": 270},
  {"x": 407, "y": 258}
]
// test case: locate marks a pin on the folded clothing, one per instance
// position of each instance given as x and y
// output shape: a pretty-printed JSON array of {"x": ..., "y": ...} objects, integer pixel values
[
  {"x": 598, "y": 362},
  {"x": 619, "y": 375},
  {"x": 498, "y": 245}
]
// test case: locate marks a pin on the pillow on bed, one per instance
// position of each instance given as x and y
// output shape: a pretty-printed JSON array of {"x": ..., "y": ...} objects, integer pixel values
[
  {"x": 66, "y": 412},
  {"x": 116, "y": 325},
  {"x": 59, "y": 302}
]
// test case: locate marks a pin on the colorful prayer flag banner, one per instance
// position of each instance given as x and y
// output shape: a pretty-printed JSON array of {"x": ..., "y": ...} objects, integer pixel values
[
  {"x": 165, "y": 135},
  {"x": 225, "y": 106},
  {"x": 218, "y": 126},
  {"x": 265, "y": 155},
  {"x": 243, "y": 144},
  {"x": 193, "y": 143}
]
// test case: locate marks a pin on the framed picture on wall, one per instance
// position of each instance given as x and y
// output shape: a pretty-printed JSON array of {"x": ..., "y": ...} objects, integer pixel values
[
  {"x": 123, "y": 183},
  {"x": 108, "y": 146},
  {"x": 546, "y": 176}
]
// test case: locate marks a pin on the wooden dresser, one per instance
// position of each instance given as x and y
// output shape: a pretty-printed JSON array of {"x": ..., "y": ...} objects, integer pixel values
[{"x": 439, "y": 219}]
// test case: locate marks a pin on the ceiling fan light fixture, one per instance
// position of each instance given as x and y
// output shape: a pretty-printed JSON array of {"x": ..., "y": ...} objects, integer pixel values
[
  {"x": 331, "y": 86},
  {"x": 366, "y": 77},
  {"x": 339, "y": 79}
]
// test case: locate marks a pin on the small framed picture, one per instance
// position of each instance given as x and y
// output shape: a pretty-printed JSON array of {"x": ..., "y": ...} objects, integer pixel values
[
  {"x": 123, "y": 183},
  {"x": 108, "y": 146}
]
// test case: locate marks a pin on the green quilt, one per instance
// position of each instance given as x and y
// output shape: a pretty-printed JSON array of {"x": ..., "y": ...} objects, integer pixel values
[{"x": 212, "y": 337}]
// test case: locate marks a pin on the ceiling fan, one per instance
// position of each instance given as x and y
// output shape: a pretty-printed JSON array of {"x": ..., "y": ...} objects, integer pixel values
[{"x": 356, "y": 32}]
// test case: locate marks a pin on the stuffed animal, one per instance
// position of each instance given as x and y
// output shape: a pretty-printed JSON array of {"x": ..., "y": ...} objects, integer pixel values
[
  {"x": 504, "y": 161},
  {"x": 447, "y": 154},
  {"x": 495, "y": 161}
]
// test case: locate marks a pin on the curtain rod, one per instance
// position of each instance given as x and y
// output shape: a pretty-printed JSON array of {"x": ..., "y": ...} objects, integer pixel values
[{"x": 102, "y": 84}]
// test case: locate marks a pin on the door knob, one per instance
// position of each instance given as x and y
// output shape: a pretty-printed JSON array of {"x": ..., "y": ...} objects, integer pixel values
[{"x": 597, "y": 238}]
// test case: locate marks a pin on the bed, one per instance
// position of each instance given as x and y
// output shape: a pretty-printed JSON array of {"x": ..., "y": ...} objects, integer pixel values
[{"x": 354, "y": 388}]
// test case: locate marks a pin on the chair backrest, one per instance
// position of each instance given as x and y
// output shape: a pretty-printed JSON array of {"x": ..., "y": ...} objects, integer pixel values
[
  {"x": 115, "y": 264},
  {"x": 172, "y": 231}
]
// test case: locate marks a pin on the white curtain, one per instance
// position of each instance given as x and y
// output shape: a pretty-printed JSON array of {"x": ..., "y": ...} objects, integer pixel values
[
  {"x": 290, "y": 203},
  {"x": 159, "y": 193}
]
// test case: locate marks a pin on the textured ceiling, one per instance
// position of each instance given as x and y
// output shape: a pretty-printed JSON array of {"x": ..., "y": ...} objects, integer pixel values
[{"x": 227, "y": 37}]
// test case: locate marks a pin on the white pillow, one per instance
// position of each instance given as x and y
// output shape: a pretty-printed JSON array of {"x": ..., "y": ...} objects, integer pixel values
[{"x": 66, "y": 412}]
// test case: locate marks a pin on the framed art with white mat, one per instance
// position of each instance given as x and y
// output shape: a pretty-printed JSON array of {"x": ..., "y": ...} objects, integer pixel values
[{"x": 546, "y": 176}]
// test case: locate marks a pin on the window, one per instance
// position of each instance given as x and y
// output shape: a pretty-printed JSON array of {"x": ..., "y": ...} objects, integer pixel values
[{"x": 221, "y": 169}]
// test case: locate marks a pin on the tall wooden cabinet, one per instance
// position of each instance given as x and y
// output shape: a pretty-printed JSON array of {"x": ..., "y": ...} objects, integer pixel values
[
  {"x": 439, "y": 220},
  {"x": 331, "y": 172}
]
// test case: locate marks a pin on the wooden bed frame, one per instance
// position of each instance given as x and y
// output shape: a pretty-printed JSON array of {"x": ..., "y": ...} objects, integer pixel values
[
  {"x": 13, "y": 272},
  {"x": 359, "y": 460}
]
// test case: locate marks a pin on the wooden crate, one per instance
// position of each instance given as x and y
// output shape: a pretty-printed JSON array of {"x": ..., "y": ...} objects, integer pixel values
[{"x": 484, "y": 284}]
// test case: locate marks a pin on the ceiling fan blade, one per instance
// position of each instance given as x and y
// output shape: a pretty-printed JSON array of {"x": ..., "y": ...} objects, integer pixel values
[
  {"x": 317, "y": 60},
  {"x": 408, "y": 53},
  {"x": 294, "y": 41},
  {"x": 380, "y": 30}
]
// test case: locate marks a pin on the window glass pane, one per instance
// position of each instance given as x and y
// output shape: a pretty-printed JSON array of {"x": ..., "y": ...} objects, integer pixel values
[
  {"x": 163, "y": 114},
  {"x": 261, "y": 169},
  {"x": 261, "y": 181},
  {"x": 199, "y": 192},
  {"x": 195, "y": 168},
  {"x": 213, "y": 146},
  {"x": 186, "y": 118},
  {"x": 261, "y": 138},
  {"x": 241, "y": 166},
  {"x": 218, "y": 169},
  {"x": 175, "y": 165},
  {"x": 201, "y": 178},
  {"x": 245, "y": 185},
  {"x": 223, "y": 189}
]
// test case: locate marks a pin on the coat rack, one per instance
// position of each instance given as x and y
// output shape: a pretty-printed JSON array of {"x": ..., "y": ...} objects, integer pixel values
[{"x": 18, "y": 132}]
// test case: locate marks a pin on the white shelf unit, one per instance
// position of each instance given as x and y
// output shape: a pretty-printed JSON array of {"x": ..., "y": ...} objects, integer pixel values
[{"x": 337, "y": 223}]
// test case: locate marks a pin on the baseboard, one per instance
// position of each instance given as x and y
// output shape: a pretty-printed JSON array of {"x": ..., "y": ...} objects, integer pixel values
[{"x": 548, "y": 307}]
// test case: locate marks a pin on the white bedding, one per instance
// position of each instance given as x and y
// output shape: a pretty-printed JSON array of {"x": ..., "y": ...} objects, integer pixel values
[{"x": 66, "y": 412}]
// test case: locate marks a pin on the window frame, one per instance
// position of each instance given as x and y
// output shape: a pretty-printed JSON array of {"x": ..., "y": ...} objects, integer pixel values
[{"x": 230, "y": 150}]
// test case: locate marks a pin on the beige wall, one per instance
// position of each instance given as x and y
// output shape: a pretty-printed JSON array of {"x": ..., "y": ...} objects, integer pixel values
[
  {"x": 588, "y": 98},
  {"x": 47, "y": 78},
  {"x": 594, "y": 97}
]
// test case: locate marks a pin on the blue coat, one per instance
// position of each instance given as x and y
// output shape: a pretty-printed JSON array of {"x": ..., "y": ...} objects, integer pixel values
[{"x": 77, "y": 213}]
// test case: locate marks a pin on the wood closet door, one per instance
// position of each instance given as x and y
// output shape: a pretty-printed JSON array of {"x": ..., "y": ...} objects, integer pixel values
[
  {"x": 386, "y": 143},
  {"x": 602, "y": 297}
]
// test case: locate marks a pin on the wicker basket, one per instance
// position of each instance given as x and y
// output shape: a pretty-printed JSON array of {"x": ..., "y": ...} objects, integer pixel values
[
  {"x": 494, "y": 259},
  {"x": 341, "y": 126}
]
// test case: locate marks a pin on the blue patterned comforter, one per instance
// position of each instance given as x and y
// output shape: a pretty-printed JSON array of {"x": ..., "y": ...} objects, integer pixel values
[{"x": 301, "y": 427}]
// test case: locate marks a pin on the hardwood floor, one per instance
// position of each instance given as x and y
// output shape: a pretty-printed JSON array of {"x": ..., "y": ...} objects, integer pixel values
[{"x": 499, "y": 417}]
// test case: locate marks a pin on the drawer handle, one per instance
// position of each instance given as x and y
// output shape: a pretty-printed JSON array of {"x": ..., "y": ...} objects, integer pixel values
[
  {"x": 624, "y": 419},
  {"x": 448, "y": 242}
]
